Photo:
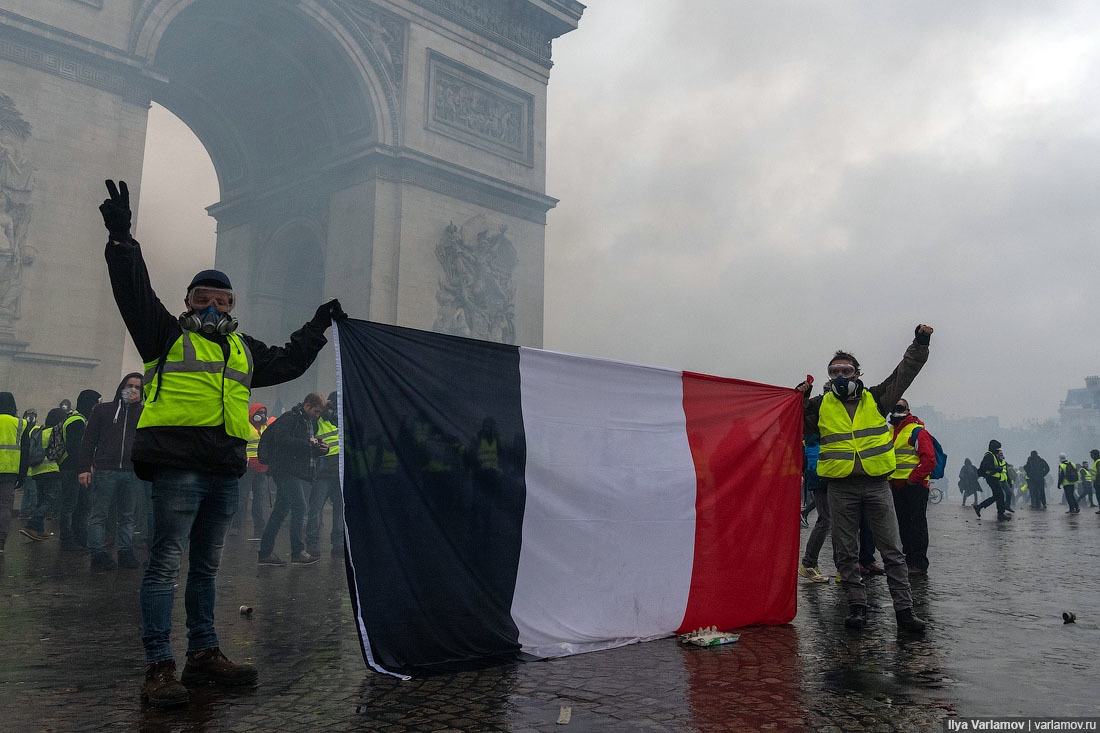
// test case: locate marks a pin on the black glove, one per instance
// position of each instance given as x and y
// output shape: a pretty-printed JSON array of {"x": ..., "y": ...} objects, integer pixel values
[
  {"x": 328, "y": 312},
  {"x": 116, "y": 211},
  {"x": 921, "y": 338}
]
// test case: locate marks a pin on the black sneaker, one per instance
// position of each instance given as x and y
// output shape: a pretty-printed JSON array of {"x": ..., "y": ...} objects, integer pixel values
[
  {"x": 210, "y": 667},
  {"x": 1003, "y": 518},
  {"x": 909, "y": 622},
  {"x": 978, "y": 511},
  {"x": 303, "y": 558},
  {"x": 272, "y": 559},
  {"x": 857, "y": 617},
  {"x": 161, "y": 688}
]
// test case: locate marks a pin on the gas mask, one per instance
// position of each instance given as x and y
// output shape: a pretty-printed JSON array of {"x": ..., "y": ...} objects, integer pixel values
[
  {"x": 204, "y": 316},
  {"x": 844, "y": 388}
]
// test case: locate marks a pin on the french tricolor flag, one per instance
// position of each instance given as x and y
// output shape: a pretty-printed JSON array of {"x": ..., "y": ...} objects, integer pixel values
[{"x": 507, "y": 503}]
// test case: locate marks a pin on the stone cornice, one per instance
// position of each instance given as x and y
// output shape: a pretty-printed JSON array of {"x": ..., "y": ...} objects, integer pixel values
[
  {"x": 45, "y": 48},
  {"x": 524, "y": 26},
  {"x": 57, "y": 359},
  {"x": 404, "y": 166}
]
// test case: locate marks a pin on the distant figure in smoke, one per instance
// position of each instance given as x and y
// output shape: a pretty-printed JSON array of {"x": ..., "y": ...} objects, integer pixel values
[
  {"x": 995, "y": 472},
  {"x": 968, "y": 481},
  {"x": 1037, "y": 469}
]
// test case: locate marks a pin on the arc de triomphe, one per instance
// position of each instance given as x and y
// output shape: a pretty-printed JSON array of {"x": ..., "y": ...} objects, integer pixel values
[{"x": 387, "y": 152}]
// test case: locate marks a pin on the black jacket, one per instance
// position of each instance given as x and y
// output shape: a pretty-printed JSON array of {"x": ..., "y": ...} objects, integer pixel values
[
  {"x": 1036, "y": 468},
  {"x": 153, "y": 330},
  {"x": 86, "y": 401},
  {"x": 109, "y": 435},
  {"x": 292, "y": 451}
]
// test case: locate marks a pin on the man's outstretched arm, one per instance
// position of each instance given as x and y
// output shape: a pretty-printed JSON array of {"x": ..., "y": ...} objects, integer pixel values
[{"x": 148, "y": 321}]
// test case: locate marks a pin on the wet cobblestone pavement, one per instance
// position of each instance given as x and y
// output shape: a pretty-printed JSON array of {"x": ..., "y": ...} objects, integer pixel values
[{"x": 71, "y": 658}]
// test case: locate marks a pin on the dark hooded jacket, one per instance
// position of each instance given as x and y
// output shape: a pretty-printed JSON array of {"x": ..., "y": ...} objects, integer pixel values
[
  {"x": 109, "y": 435},
  {"x": 968, "y": 478},
  {"x": 988, "y": 468},
  {"x": 154, "y": 330},
  {"x": 74, "y": 434},
  {"x": 1036, "y": 468}
]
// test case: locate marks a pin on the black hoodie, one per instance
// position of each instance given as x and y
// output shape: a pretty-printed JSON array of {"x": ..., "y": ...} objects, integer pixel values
[
  {"x": 109, "y": 436},
  {"x": 87, "y": 400}
]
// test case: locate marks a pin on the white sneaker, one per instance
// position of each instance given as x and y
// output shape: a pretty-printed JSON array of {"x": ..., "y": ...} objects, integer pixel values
[{"x": 812, "y": 574}]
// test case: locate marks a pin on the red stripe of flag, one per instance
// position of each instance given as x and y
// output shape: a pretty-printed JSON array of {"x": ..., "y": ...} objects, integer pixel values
[{"x": 749, "y": 478}]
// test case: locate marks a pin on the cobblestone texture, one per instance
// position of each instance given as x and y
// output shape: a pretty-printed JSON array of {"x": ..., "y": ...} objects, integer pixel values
[{"x": 71, "y": 659}]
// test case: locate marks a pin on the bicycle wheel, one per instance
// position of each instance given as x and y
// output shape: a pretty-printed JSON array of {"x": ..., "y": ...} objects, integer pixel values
[{"x": 935, "y": 496}]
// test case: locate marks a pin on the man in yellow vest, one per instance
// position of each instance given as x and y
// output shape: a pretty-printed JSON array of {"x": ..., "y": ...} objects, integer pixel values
[
  {"x": 190, "y": 442},
  {"x": 916, "y": 457},
  {"x": 856, "y": 460},
  {"x": 1095, "y": 456},
  {"x": 1067, "y": 482},
  {"x": 326, "y": 486},
  {"x": 13, "y": 464},
  {"x": 995, "y": 472}
]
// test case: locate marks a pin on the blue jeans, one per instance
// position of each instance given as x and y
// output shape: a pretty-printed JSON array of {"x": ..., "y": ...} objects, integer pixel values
[
  {"x": 290, "y": 497},
  {"x": 109, "y": 485},
  {"x": 187, "y": 505},
  {"x": 30, "y": 498},
  {"x": 47, "y": 486},
  {"x": 324, "y": 489}
]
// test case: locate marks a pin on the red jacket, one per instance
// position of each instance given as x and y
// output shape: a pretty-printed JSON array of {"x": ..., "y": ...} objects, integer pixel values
[{"x": 926, "y": 454}]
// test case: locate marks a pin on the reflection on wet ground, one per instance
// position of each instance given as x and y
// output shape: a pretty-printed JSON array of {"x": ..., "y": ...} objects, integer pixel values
[{"x": 70, "y": 652}]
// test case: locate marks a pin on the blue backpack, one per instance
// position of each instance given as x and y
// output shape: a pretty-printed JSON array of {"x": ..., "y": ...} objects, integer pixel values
[{"x": 941, "y": 457}]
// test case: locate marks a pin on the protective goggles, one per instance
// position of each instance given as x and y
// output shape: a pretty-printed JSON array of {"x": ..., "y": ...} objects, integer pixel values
[
  {"x": 203, "y": 297},
  {"x": 846, "y": 371}
]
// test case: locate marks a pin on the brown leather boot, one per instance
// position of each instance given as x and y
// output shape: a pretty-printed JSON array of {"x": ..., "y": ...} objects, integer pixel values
[
  {"x": 210, "y": 667},
  {"x": 161, "y": 688}
]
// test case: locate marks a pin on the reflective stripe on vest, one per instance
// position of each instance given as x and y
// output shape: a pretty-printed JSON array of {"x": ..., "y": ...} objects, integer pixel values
[
  {"x": 1002, "y": 467},
  {"x": 327, "y": 433},
  {"x": 1063, "y": 481},
  {"x": 197, "y": 387},
  {"x": 905, "y": 454},
  {"x": 45, "y": 466},
  {"x": 11, "y": 430},
  {"x": 843, "y": 438}
]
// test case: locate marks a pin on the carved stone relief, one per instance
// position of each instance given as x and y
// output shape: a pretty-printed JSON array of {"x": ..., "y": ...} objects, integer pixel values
[
  {"x": 505, "y": 20},
  {"x": 16, "y": 184},
  {"x": 476, "y": 296},
  {"x": 384, "y": 34},
  {"x": 480, "y": 110}
]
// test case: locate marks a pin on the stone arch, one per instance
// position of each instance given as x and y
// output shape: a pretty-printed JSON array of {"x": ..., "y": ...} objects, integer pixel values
[{"x": 329, "y": 90}]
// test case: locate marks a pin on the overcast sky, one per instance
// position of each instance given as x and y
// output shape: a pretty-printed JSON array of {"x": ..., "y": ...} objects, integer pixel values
[{"x": 746, "y": 187}]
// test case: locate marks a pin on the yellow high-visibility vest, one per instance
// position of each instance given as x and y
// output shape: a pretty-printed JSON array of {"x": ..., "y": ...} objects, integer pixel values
[
  {"x": 197, "y": 387},
  {"x": 11, "y": 431},
  {"x": 905, "y": 454},
  {"x": 1002, "y": 467},
  {"x": 46, "y": 466},
  {"x": 843, "y": 438},
  {"x": 252, "y": 447},
  {"x": 328, "y": 434}
]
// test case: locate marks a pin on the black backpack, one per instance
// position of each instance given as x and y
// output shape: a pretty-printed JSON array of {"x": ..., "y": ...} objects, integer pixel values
[
  {"x": 35, "y": 453},
  {"x": 265, "y": 450},
  {"x": 1071, "y": 472},
  {"x": 56, "y": 450}
]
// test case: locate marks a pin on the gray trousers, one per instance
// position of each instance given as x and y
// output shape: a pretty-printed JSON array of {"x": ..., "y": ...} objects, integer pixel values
[
  {"x": 871, "y": 494},
  {"x": 821, "y": 528}
]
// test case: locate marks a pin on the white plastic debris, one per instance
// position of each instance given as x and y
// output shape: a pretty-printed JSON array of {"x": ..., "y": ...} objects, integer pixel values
[{"x": 708, "y": 636}]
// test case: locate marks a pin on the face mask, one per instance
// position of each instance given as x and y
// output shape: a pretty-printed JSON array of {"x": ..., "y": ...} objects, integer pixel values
[
  {"x": 129, "y": 394},
  {"x": 208, "y": 321},
  {"x": 896, "y": 418},
  {"x": 844, "y": 388}
]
